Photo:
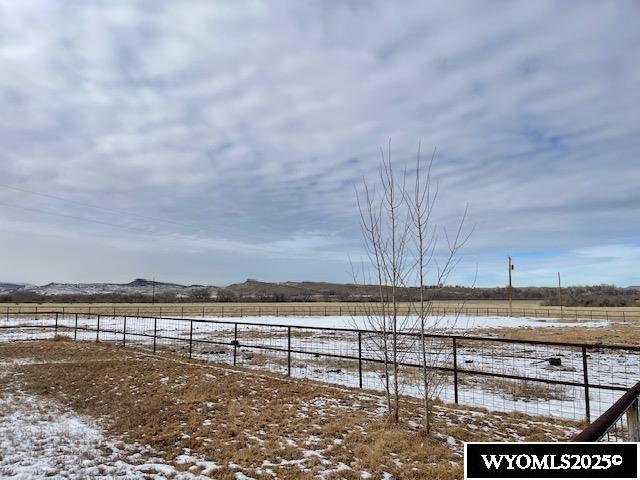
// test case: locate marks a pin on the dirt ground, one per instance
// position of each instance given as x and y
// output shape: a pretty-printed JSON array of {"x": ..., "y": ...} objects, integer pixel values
[{"x": 254, "y": 424}]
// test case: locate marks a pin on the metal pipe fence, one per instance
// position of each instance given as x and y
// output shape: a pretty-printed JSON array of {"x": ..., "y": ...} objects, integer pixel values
[
  {"x": 620, "y": 423},
  {"x": 325, "y": 309},
  {"x": 545, "y": 378}
]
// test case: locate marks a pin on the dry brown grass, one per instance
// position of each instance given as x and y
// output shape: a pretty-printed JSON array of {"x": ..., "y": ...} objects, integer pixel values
[
  {"x": 521, "y": 389},
  {"x": 238, "y": 416},
  {"x": 476, "y": 307},
  {"x": 613, "y": 334}
]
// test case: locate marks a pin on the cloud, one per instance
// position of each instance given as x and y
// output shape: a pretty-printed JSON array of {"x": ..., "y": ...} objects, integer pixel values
[{"x": 245, "y": 127}]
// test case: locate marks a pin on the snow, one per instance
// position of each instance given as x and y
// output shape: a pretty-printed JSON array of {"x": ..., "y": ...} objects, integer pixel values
[
  {"x": 38, "y": 438},
  {"x": 606, "y": 367},
  {"x": 138, "y": 286},
  {"x": 462, "y": 323},
  {"x": 447, "y": 323}
]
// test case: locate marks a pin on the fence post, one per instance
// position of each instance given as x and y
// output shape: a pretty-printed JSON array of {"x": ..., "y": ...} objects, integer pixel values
[
  {"x": 455, "y": 369},
  {"x": 56, "y": 327},
  {"x": 633, "y": 420},
  {"x": 124, "y": 332},
  {"x": 155, "y": 333},
  {"x": 98, "y": 330},
  {"x": 190, "y": 337},
  {"x": 235, "y": 343},
  {"x": 203, "y": 310},
  {"x": 586, "y": 384},
  {"x": 75, "y": 328},
  {"x": 289, "y": 351},
  {"x": 360, "y": 357}
]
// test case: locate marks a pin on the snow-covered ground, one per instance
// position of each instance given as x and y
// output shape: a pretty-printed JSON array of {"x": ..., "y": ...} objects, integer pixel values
[
  {"x": 445, "y": 323},
  {"x": 448, "y": 322},
  {"x": 319, "y": 354},
  {"x": 39, "y": 439}
]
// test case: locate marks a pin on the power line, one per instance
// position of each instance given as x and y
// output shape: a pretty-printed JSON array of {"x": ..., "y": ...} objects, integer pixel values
[
  {"x": 56, "y": 214},
  {"x": 89, "y": 205}
]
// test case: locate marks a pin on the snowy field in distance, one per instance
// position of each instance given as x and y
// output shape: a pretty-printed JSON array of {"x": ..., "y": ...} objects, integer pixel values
[
  {"x": 448, "y": 322},
  {"x": 605, "y": 367}
]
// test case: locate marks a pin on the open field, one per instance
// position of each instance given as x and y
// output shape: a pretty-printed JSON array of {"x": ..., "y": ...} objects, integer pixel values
[
  {"x": 623, "y": 323},
  {"x": 529, "y": 308},
  {"x": 490, "y": 372},
  {"x": 169, "y": 417},
  {"x": 611, "y": 333}
]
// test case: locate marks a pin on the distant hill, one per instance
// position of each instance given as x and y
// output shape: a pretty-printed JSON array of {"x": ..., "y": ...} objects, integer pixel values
[
  {"x": 139, "y": 287},
  {"x": 252, "y": 290},
  {"x": 298, "y": 290}
]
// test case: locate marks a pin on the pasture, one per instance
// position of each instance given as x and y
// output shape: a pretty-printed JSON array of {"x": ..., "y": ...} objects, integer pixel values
[
  {"x": 521, "y": 308},
  {"x": 288, "y": 396},
  {"x": 475, "y": 367},
  {"x": 164, "y": 416}
]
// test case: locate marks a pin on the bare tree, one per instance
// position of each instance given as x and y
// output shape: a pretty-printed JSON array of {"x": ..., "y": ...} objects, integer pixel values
[
  {"x": 370, "y": 218},
  {"x": 421, "y": 202},
  {"x": 394, "y": 255},
  {"x": 401, "y": 242},
  {"x": 385, "y": 225}
]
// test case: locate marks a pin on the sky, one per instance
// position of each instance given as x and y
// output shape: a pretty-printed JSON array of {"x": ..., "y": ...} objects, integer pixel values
[{"x": 210, "y": 142}]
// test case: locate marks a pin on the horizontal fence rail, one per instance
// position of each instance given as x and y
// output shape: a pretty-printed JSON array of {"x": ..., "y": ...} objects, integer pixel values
[
  {"x": 621, "y": 422},
  {"x": 326, "y": 309},
  {"x": 570, "y": 380}
]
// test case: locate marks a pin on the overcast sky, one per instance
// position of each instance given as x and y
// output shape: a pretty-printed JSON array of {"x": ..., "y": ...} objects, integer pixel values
[{"x": 208, "y": 142}]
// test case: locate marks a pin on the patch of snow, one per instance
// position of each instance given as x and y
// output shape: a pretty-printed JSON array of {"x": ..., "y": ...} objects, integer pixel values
[
  {"x": 39, "y": 439},
  {"x": 451, "y": 321},
  {"x": 607, "y": 367}
]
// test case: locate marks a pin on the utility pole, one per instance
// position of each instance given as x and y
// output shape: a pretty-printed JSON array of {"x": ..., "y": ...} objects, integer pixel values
[
  {"x": 560, "y": 296},
  {"x": 153, "y": 291},
  {"x": 510, "y": 289}
]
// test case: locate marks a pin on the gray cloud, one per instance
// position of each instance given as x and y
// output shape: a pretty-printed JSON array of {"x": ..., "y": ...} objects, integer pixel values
[{"x": 245, "y": 127}]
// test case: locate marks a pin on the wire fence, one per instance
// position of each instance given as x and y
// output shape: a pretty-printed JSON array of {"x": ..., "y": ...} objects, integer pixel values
[
  {"x": 569, "y": 380},
  {"x": 323, "y": 309},
  {"x": 620, "y": 423}
]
